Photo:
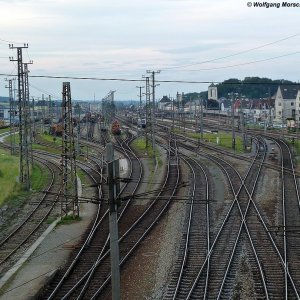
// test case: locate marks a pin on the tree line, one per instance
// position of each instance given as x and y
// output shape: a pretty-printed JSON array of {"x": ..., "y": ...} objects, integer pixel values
[{"x": 249, "y": 87}]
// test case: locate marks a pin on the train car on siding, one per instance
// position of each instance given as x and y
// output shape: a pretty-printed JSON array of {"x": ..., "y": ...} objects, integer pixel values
[
  {"x": 142, "y": 123},
  {"x": 115, "y": 128}
]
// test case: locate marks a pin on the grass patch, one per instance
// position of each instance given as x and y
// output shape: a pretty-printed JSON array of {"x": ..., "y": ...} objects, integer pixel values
[
  {"x": 159, "y": 162},
  {"x": 177, "y": 130},
  {"x": 297, "y": 146},
  {"x": 9, "y": 172},
  {"x": 38, "y": 178},
  {"x": 2, "y": 130},
  {"x": 225, "y": 139},
  {"x": 11, "y": 190},
  {"x": 140, "y": 146},
  {"x": 43, "y": 137},
  {"x": 82, "y": 175},
  {"x": 69, "y": 219},
  {"x": 46, "y": 148},
  {"x": 56, "y": 140},
  {"x": 15, "y": 138},
  {"x": 50, "y": 220}
]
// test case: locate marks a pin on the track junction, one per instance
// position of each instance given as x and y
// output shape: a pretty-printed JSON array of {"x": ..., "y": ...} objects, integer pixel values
[{"x": 238, "y": 237}]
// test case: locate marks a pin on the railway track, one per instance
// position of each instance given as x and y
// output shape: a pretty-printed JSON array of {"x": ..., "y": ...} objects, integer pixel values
[
  {"x": 196, "y": 235},
  {"x": 14, "y": 244},
  {"x": 247, "y": 243},
  {"x": 228, "y": 250},
  {"x": 135, "y": 225},
  {"x": 69, "y": 283},
  {"x": 288, "y": 230},
  {"x": 28, "y": 230}
]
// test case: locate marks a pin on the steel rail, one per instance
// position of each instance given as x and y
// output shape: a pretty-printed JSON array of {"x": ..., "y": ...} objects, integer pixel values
[
  {"x": 88, "y": 275},
  {"x": 284, "y": 204},
  {"x": 224, "y": 221},
  {"x": 270, "y": 238},
  {"x": 243, "y": 223},
  {"x": 152, "y": 224},
  {"x": 96, "y": 223},
  {"x": 128, "y": 152},
  {"x": 190, "y": 217},
  {"x": 30, "y": 216}
]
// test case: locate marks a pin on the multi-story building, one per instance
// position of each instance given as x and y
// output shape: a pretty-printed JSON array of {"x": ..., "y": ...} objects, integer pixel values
[
  {"x": 287, "y": 103},
  {"x": 212, "y": 92},
  {"x": 4, "y": 113}
]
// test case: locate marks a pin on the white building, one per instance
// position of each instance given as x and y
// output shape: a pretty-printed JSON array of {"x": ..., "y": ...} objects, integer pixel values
[
  {"x": 165, "y": 103},
  {"x": 287, "y": 103},
  {"x": 212, "y": 92}
]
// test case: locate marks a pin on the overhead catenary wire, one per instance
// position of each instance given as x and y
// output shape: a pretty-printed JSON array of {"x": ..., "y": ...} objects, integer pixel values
[
  {"x": 142, "y": 80},
  {"x": 231, "y": 55},
  {"x": 243, "y": 64}
]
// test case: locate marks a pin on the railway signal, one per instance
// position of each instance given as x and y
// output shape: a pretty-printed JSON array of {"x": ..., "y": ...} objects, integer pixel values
[{"x": 114, "y": 190}]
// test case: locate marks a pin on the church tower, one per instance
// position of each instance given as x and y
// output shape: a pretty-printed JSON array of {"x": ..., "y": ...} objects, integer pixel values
[{"x": 213, "y": 92}]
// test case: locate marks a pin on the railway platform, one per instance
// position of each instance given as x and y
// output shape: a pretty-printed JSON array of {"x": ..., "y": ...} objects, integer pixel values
[
  {"x": 32, "y": 272},
  {"x": 26, "y": 279}
]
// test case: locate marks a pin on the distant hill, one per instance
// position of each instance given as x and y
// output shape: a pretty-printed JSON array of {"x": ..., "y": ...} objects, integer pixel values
[
  {"x": 250, "y": 87},
  {"x": 4, "y": 99}
]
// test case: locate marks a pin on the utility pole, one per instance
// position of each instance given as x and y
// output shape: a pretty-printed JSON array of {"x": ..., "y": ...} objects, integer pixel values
[
  {"x": 179, "y": 114},
  {"x": 114, "y": 190},
  {"x": 15, "y": 113},
  {"x": 108, "y": 107},
  {"x": 27, "y": 118},
  {"x": 148, "y": 113},
  {"x": 232, "y": 120},
  {"x": 33, "y": 119},
  {"x": 69, "y": 175},
  {"x": 87, "y": 127},
  {"x": 11, "y": 117},
  {"x": 173, "y": 115},
  {"x": 265, "y": 119},
  {"x": 219, "y": 116},
  {"x": 242, "y": 121},
  {"x": 153, "y": 110},
  {"x": 78, "y": 132},
  {"x": 195, "y": 114},
  {"x": 43, "y": 114},
  {"x": 23, "y": 119},
  {"x": 201, "y": 120},
  {"x": 270, "y": 108},
  {"x": 140, "y": 108},
  {"x": 50, "y": 116}
]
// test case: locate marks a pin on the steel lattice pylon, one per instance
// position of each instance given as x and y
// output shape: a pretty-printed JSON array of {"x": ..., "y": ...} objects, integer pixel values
[
  {"x": 24, "y": 137},
  {"x": 26, "y": 114},
  {"x": 148, "y": 112},
  {"x": 69, "y": 178},
  {"x": 11, "y": 117}
]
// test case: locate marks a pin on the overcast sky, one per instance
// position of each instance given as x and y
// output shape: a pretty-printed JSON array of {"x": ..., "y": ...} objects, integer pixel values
[{"x": 188, "y": 40}]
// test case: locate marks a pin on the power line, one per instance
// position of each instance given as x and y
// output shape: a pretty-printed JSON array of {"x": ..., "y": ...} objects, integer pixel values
[
  {"x": 231, "y": 55},
  {"x": 243, "y": 64},
  {"x": 44, "y": 91},
  {"x": 141, "y": 80},
  {"x": 9, "y": 42}
]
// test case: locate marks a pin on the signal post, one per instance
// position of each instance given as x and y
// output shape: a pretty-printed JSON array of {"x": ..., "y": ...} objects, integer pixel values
[{"x": 114, "y": 190}]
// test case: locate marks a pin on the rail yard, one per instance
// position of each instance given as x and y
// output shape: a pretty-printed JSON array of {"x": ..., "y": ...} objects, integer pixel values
[{"x": 195, "y": 220}]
